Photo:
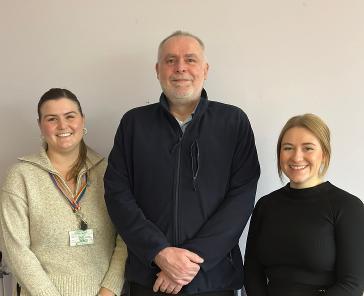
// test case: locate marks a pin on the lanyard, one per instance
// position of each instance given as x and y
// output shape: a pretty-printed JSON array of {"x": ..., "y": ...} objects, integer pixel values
[{"x": 73, "y": 200}]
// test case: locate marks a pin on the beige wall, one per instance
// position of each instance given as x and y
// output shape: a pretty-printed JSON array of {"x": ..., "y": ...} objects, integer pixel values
[{"x": 274, "y": 59}]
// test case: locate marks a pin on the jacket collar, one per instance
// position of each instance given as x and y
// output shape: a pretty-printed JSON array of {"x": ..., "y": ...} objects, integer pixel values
[
  {"x": 41, "y": 160},
  {"x": 200, "y": 109}
]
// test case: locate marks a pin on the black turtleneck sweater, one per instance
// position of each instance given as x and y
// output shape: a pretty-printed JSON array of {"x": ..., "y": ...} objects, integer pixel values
[{"x": 306, "y": 242}]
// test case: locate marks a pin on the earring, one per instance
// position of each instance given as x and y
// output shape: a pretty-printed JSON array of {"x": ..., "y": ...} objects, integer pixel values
[{"x": 84, "y": 131}]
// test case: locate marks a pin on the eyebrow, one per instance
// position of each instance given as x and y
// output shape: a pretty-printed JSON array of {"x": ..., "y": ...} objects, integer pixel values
[
  {"x": 307, "y": 143},
  {"x": 191, "y": 55},
  {"x": 171, "y": 55},
  {"x": 65, "y": 114}
]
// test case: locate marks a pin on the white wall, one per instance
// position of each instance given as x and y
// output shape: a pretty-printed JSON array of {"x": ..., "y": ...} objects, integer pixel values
[{"x": 274, "y": 59}]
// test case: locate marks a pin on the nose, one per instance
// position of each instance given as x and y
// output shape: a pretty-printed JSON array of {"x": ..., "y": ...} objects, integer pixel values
[
  {"x": 297, "y": 155},
  {"x": 61, "y": 124},
  {"x": 181, "y": 66}
]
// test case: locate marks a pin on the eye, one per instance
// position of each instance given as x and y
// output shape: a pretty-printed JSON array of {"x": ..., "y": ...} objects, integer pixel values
[
  {"x": 308, "y": 148},
  {"x": 191, "y": 60},
  {"x": 50, "y": 119},
  {"x": 287, "y": 148},
  {"x": 70, "y": 116},
  {"x": 170, "y": 61}
]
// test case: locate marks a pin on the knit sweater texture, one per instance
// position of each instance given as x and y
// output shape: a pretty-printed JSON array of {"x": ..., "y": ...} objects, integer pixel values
[
  {"x": 306, "y": 242},
  {"x": 35, "y": 223}
]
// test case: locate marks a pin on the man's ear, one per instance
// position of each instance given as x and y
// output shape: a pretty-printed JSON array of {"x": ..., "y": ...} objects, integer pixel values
[
  {"x": 157, "y": 70},
  {"x": 206, "y": 70}
]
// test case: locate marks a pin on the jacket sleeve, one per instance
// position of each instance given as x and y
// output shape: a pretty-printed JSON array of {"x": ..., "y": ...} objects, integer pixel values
[
  {"x": 141, "y": 236},
  {"x": 15, "y": 241},
  {"x": 224, "y": 228},
  {"x": 255, "y": 278},
  {"x": 114, "y": 277},
  {"x": 349, "y": 265}
]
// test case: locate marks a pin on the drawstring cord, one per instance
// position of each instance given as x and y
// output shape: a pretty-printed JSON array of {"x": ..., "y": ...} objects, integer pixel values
[
  {"x": 195, "y": 159},
  {"x": 195, "y": 162}
]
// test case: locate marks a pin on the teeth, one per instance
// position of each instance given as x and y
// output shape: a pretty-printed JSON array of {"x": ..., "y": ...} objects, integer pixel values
[
  {"x": 297, "y": 167},
  {"x": 64, "y": 135}
]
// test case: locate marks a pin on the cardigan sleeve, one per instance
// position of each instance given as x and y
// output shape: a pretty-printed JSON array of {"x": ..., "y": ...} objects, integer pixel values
[
  {"x": 15, "y": 240},
  {"x": 255, "y": 278},
  {"x": 114, "y": 278},
  {"x": 349, "y": 238}
]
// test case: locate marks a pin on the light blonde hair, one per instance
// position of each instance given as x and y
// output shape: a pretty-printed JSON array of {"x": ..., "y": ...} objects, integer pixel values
[{"x": 318, "y": 128}]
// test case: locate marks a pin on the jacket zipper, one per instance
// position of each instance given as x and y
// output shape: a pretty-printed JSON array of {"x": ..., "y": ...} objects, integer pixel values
[{"x": 176, "y": 194}]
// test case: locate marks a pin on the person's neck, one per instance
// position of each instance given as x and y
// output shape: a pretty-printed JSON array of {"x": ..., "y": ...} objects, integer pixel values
[
  {"x": 182, "y": 111},
  {"x": 63, "y": 162}
]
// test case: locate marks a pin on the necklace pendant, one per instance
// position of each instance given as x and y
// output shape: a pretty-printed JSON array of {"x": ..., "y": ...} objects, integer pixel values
[{"x": 83, "y": 225}]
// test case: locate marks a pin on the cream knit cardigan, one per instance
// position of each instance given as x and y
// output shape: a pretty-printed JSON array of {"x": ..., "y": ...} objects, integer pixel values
[{"x": 35, "y": 221}]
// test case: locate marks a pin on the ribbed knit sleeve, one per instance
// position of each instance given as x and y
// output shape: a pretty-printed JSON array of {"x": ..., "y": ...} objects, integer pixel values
[
  {"x": 15, "y": 239},
  {"x": 114, "y": 278}
]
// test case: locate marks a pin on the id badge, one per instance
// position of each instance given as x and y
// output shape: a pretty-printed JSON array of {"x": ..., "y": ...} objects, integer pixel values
[{"x": 81, "y": 237}]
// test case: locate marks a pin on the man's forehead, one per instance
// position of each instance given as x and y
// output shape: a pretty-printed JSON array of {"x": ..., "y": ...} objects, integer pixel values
[{"x": 182, "y": 43}]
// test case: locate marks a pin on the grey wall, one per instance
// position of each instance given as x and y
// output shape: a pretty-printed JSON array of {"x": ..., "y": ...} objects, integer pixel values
[{"x": 274, "y": 59}]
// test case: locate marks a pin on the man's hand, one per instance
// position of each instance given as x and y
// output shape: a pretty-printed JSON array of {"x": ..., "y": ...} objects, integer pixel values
[
  {"x": 180, "y": 265},
  {"x": 165, "y": 284}
]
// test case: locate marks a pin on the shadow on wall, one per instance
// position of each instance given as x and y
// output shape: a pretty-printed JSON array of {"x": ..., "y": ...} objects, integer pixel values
[
  {"x": 22, "y": 134},
  {"x": 111, "y": 86}
]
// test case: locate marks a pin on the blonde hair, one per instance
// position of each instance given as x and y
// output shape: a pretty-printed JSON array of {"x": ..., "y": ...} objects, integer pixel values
[{"x": 318, "y": 128}]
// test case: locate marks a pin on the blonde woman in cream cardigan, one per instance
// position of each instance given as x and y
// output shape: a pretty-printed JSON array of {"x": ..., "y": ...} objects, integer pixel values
[{"x": 56, "y": 234}]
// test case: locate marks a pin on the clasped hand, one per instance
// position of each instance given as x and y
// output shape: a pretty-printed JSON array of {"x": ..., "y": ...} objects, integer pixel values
[{"x": 178, "y": 268}]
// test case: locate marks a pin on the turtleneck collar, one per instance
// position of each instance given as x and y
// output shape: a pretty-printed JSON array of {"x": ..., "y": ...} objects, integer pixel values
[{"x": 307, "y": 193}]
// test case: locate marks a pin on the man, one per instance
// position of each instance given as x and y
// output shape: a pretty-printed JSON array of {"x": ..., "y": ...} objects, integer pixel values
[{"x": 181, "y": 181}]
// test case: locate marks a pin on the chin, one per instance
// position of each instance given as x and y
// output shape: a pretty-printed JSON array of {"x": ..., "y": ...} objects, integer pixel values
[{"x": 183, "y": 95}]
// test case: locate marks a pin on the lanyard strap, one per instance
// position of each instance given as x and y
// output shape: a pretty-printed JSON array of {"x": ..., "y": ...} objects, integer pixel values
[{"x": 73, "y": 200}]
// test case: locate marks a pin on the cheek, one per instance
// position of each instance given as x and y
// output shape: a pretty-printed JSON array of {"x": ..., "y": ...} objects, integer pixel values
[
  {"x": 319, "y": 161},
  {"x": 317, "y": 158},
  {"x": 282, "y": 165},
  {"x": 164, "y": 73},
  {"x": 79, "y": 126},
  {"x": 46, "y": 129},
  {"x": 282, "y": 160}
]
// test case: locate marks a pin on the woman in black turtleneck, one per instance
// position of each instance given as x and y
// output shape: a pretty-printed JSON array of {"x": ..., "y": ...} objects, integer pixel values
[{"x": 306, "y": 238}]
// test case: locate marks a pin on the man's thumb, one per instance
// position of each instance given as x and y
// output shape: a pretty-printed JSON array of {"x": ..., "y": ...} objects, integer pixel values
[{"x": 194, "y": 257}]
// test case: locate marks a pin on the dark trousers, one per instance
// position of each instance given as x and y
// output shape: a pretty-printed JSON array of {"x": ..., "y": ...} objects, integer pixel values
[{"x": 138, "y": 290}]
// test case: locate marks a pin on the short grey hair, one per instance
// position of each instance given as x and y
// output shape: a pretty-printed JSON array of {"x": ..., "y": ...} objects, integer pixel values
[{"x": 180, "y": 33}]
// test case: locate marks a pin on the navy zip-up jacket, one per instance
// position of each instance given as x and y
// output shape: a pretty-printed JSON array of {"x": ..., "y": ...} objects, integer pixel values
[{"x": 194, "y": 190}]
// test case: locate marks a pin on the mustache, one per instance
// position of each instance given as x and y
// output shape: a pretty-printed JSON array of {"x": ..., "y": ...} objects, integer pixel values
[{"x": 181, "y": 78}]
